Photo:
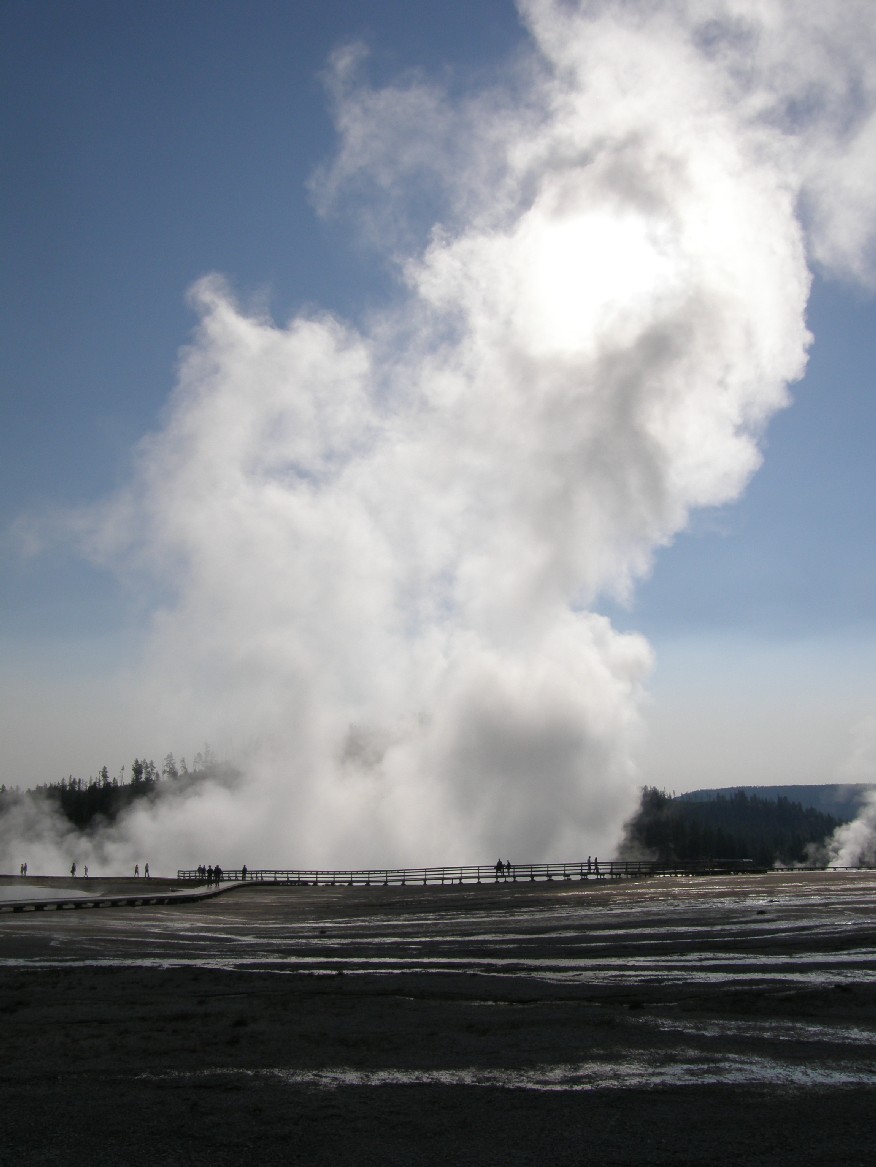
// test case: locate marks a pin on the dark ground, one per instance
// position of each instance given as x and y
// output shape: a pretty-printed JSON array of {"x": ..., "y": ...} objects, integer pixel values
[{"x": 726, "y": 1021}]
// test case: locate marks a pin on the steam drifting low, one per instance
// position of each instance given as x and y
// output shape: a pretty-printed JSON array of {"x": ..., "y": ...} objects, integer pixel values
[{"x": 380, "y": 550}]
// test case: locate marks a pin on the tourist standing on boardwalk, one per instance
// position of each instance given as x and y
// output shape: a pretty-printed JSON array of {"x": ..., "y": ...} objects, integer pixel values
[{"x": 73, "y": 870}]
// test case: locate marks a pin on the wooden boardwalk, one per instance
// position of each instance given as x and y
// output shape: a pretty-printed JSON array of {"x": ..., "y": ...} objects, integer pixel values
[
  {"x": 587, "y": 869},
  {"x": 194, "y": 886},
  {"x": 57, "y": 901}
]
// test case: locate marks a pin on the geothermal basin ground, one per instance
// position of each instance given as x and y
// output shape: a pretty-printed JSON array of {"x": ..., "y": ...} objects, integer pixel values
[{"x": 708, "y": 1020}]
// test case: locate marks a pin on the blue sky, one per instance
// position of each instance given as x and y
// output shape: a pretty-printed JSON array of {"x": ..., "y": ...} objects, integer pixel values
[{"x": 146, "y": 145}]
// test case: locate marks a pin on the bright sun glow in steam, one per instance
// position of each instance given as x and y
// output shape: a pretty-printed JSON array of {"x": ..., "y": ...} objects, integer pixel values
[{"x": 587, "y": 274}]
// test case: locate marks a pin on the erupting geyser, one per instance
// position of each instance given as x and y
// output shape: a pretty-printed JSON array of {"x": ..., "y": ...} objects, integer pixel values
[{"x": 381, "y": 550}]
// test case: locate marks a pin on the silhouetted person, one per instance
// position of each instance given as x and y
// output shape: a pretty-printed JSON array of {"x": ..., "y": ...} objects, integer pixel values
[
  {"x": 507, "y": 868},
  {"x": 136, "y": 870},
  {"x": 209, "y": 877},
  {"x": 146, "y": 871},
  {"x": 86, "y": 871},
  {"x": 243, "y": 873},
  {"x": 499, "y": 869},
  {"x": 73, "y": 870},
  {"x": 217, "y": 873}
]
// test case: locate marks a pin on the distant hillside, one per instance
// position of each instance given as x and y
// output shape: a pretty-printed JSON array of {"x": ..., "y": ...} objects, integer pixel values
[
  {"x": 840, "y": 800},
  {"x": 733, "y": 825}
]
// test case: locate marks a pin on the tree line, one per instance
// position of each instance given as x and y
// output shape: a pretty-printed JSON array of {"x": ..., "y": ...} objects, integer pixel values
[
  {"x": 738, "y": 826},
  {"x": 92, "y": 803},
  {"x": 666, "y": 829}
]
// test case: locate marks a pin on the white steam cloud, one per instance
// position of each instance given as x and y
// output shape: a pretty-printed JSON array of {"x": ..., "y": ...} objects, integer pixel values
[
  {"x": 380, "y": 549},
  {"x": 853, "y": 844}
]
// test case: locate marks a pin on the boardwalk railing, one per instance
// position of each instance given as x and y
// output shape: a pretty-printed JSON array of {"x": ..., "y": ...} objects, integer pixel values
[{"x": 586, "y": 869}]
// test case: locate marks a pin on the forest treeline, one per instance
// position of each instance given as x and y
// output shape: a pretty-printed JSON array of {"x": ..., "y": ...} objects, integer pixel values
[
  {"x": 739, "y": 826},
  {"x": 735, "y": 826},
  {"x": 89, "y": 804}
]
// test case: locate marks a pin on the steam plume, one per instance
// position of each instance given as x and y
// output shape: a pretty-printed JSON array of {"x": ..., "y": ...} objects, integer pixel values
[
  {"x": 380, "y": 550},
  {"x": 854, "y": 844}
]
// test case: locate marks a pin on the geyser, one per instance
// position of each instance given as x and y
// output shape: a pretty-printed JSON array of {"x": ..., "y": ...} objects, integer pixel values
[{"x": 378, "y": 551}]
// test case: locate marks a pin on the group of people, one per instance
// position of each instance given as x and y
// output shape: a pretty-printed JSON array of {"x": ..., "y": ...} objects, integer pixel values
[
  {"x": 85, "y": 870},
  {"x": 211, "y": 874},
  {"x": 23, "y": 870},
  {"x": 503, "y": 870}
]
